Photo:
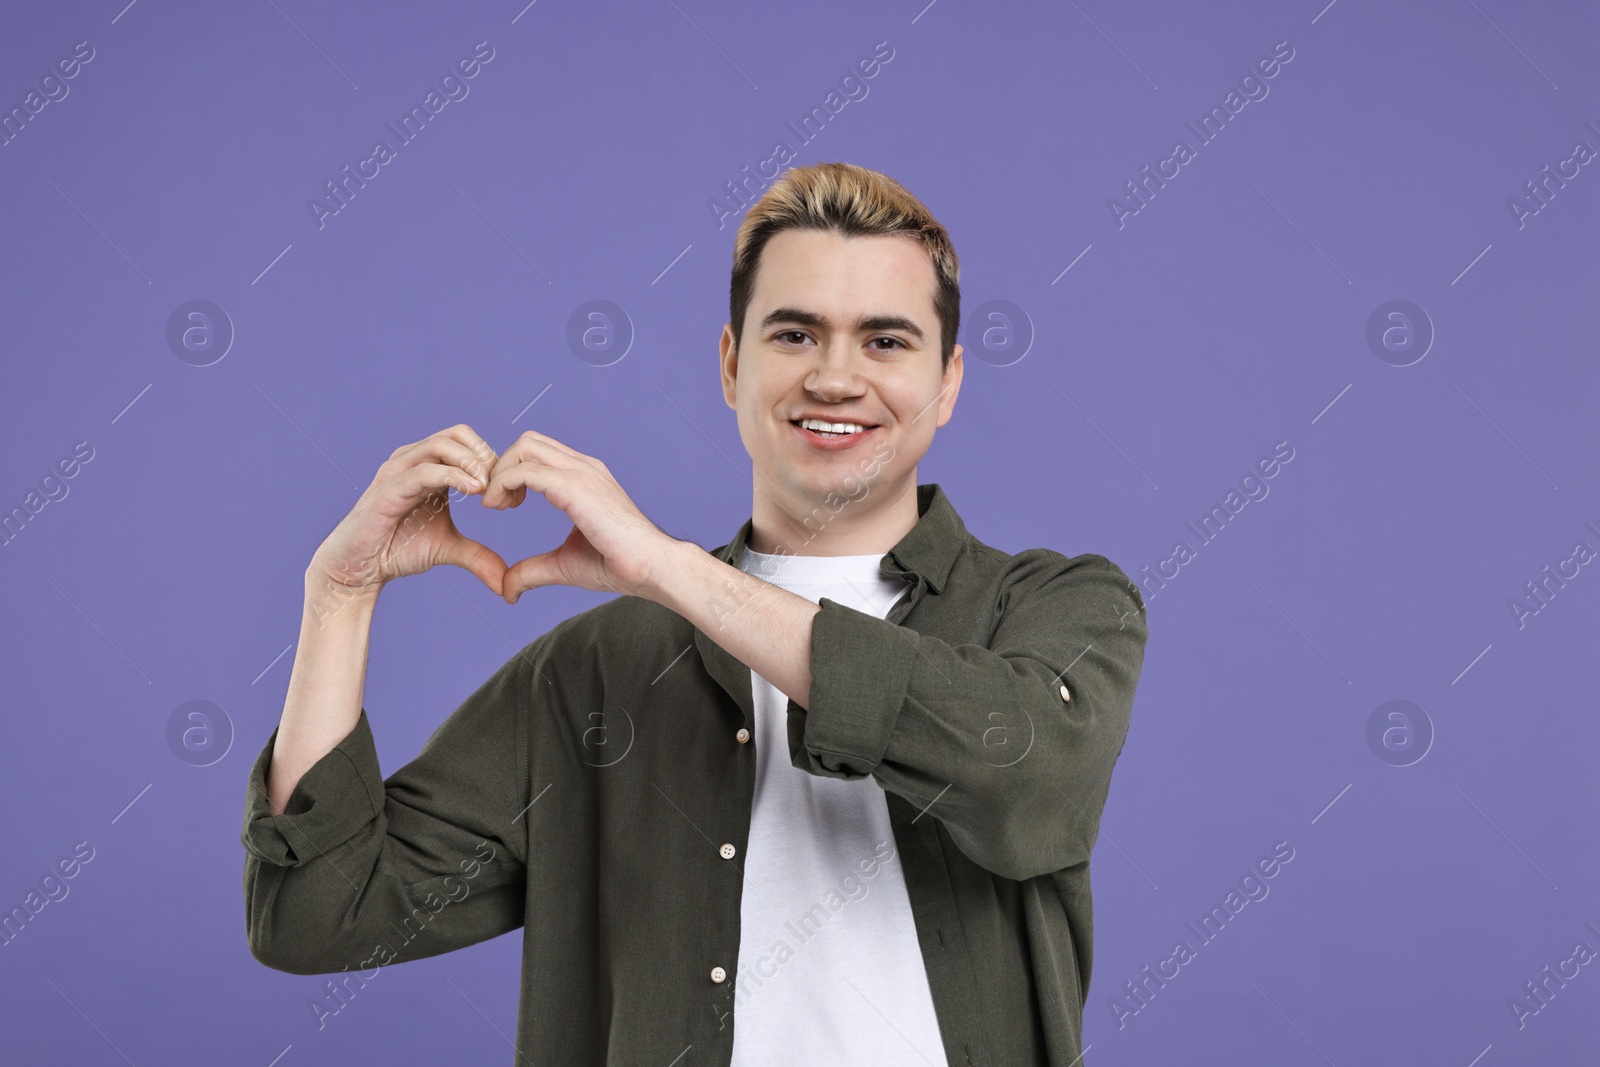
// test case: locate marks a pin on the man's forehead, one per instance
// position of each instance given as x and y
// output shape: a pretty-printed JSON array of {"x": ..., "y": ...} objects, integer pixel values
[{"x": 803, "y": 284}]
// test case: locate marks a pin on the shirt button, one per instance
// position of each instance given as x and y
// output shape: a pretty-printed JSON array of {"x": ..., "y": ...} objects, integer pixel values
[
  {"x": 727, "y": 851},
  {"x": 743, "y": 735},
  {"x": 718, "y": 974},
  {"x": 1064, "y": 694}
]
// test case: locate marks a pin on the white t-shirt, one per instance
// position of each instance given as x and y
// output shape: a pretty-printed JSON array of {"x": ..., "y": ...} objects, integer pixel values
[{"x": 830, "y": 970}]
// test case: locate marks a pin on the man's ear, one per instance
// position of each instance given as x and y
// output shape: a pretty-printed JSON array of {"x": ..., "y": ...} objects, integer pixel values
[
  {"x": 728, "y": 361},
  {"x": 950, "y": 385}
]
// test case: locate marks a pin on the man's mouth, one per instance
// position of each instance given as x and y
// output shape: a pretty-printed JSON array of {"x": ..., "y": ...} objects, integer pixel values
[{"x": 820, "y": 431}]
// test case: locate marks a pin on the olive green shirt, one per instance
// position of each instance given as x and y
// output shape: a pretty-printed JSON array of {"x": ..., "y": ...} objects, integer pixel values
[{"x": 588, "y": 792}]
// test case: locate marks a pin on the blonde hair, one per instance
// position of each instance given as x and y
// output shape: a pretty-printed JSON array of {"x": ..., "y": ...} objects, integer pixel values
[{"x": 852, "y": 201}]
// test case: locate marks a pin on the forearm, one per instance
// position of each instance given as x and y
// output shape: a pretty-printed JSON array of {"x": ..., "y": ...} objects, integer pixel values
[
  {"x": 762, "y": 625},
  {"x": 326, "y": 685},
  {"x": 1010, "y": 743},
  {"x": 362, "y": 859}
]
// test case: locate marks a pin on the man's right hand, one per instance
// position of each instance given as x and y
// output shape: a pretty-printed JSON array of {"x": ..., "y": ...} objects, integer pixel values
[{"x": 401, "y": 524}]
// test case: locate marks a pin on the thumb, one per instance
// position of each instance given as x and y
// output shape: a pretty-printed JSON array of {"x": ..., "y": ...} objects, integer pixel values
[
  {"x": 483, "y": 561},
  {"x": 531, "y": 573}
]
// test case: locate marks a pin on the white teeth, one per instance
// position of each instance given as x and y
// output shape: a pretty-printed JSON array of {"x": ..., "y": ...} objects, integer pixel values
[{"x": 832, "y": 427}]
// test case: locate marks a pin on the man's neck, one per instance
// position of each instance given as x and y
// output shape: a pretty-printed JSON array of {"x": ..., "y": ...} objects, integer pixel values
[{"x": 870, "y": 523}]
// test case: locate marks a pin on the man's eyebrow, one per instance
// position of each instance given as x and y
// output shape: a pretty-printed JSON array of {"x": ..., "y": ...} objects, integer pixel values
[{"x": 866, "y": 323}]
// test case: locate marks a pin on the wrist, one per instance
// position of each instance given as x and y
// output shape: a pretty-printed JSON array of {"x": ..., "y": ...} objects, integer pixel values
[
  {"x": 670, "y": 574},
  {"x": 328, "y": 599}
]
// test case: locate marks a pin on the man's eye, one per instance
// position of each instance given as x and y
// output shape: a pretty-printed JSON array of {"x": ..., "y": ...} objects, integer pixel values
[
  {"x": 792, "y": 333},
  {"x": 891, "y": 340}
]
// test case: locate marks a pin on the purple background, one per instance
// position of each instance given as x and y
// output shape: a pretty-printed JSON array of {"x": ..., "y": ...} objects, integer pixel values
[{"x": 1229, "y": 314}]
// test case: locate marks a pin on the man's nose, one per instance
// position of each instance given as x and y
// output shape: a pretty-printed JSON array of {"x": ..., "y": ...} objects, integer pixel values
[{"x": 837, "y": 371}]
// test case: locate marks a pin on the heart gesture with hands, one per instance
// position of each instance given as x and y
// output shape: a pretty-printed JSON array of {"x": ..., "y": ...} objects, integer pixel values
[
  {"x": 401, "y": 524},
  {"x": 612, "y": 548}
]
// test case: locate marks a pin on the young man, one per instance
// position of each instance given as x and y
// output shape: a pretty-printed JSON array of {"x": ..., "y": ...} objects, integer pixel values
[{"x": 825, "y": 794}]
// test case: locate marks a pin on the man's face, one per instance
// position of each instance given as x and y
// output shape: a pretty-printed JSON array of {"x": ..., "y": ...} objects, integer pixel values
[{"x": 844, "y": 329}]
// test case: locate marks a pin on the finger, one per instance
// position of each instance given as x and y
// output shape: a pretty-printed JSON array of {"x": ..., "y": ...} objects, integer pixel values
[
  {"x": 483, "y": 561},
  {"x": 535, "y": 438},
  {"x": 480, "y": 448},
  {"x": 458, "y": 446},
  {"x": 537, "y": 447},
  {"x": 530, "y": 573},
  {"x": 512, "y": 477},
  {"x": 413, "y": 483}
]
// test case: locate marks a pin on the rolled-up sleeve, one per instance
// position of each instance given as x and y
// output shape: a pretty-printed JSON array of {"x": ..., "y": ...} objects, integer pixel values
[
  {"x": 358, "y": 870},
  {"x": 337, "y": 796},
  {"x": 1010, "y": 745}
]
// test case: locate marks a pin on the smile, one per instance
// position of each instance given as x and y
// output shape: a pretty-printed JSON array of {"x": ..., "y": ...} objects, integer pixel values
[{"x": 834, "y": 435}]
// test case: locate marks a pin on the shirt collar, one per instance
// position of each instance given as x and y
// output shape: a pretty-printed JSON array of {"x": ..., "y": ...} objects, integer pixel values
[{"x": 929, "y": 549}]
